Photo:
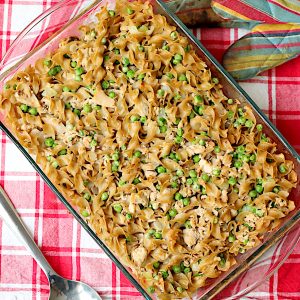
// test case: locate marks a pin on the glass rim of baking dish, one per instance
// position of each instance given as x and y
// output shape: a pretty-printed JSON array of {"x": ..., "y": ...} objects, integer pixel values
[{"x": 233, "y": 274}]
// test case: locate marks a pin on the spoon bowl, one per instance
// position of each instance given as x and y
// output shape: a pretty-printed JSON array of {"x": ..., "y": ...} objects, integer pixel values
[{"x": 60, "y": 288}]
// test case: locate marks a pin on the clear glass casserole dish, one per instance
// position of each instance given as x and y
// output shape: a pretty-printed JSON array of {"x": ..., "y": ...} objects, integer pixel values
[{"x": 43, "y": 35}]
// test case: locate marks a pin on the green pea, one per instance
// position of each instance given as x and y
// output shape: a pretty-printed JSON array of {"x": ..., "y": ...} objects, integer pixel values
[
  {"x": 205, "y": 177},
  {"x": 151, "y": 289},
  {"x": 103, "y": 41},
  {"x": 24, "y": 108},
  {"x": 77, "y": 78},
  {"x": 126, "y": 61},
  {"x": 49, "y": 142},
  {"x": 216, "y": 172},
  {"x": 180, "y": 131},
  {"x": 180, "y": 289},
  {"x": 161, "y": 121},
  {"x": 112, "y": 13},
  {"x": 164, "y": 274},
  {"x": 177, "y": 121},
  {"x": 259, "y": 127},
  {"x": 202, "y": 142},
  {"x": 141, "y": 76},
  {"x": 170, "y": 75},
  {"x": 163, "y": 129},
  {"x": 192, "y": 115},
  {"x": 118, "y": 208},
  {"x": 230, "y": 101},
  {"x": 178, "y": 196},
  {"x": 130, "y": 74},
  {"x": 47, "y": 62},
  {"x": 79, "y": 71},
  {"x": 178, "y": 56},
  {"x": 87, "y": 108},
  {"x": 136, "y": 181},
  {"x": 230, "y": 114},
  {"x": 276, "y": 189},
  {"x": 177, "y": 97},
  {"x": 198, "y": 98},
  {"x": 121, "y": 183},
  {"x": 179, "y": 172},
  {"x": 182, "y": 77},
  {"x": 137, "y": 154},
  {"x": 130, "y": 11},
  {"x": 55, "y": 164},
  {"x": 143, "y": 28},
  {"x": 87, "y": 196},
  {"x": 215, "y": 80},
  {"x": 241, "y": 120},
  {"x": 156, "y": 265},
  {"x": 141, "y": 48},
  {"x": 106, "y": 57},
  {"x": 105, "y": 84},
  {"x": 128, "y": 216},
  {"x": 157, "y": 235},
  {"x": 62, "y": 152},
  {"x": 238, "y": 164},
  {"x": 173, "y": 35},
  {"x": 160, "y": 93},
  {"x": 231, "y": 238},
  {"x": 93, "y": 143},
  {"x": 253, "y": 193},
  {"x": 176, "y": 269},
  {"x": 33, "y": 111},
  {"x": 217, "y": 149},
  {"x": 77, "y": 112},
  {"x": 54, "y": 71},
  {"x": 66, "y": 89},
  {"x": 73, "y": 64},
  {"x": 187, "y": 224},
  {"x": 186, "y": 201},
  {"x": 161, "y": 169},
  {"x": 85, "y": 213},
  {"x": 249, "y": 123},
  {"x": 166, "y": 47},
  {"x": 174, "y": 185},
  {"x": 143, "y": 119},
  {"x": 282, "y": 168},
  {"x": 259, "y": 189},
  {"x": 115, "y": 166},
  {"x": 178, "y": 139},
  {"x": 134, "y": 118},
  {"x": 112, "y": 95},
  {"x": 104, "y": 196},
  {"x": 189, "y": 181},
  {"x": 193, "y": 173},
  {"x": 196, "y": 158},
  {"x": 115, "y": 156},
  {"x": 187, "y": 270},
  {"x": 252, "y": 158},
  {"x": 187, "y": 48},
  {"x": 232, "y": 181}
]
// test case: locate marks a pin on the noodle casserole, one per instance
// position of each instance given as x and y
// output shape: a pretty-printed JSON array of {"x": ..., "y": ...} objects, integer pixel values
[{"x": 131, "y": 126}]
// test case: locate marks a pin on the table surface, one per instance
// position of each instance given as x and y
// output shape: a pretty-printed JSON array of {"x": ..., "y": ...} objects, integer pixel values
[{"x": 70, "y": 251}]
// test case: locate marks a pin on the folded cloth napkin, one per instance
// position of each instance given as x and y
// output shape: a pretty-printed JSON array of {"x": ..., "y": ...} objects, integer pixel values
[{"x": 274, "y": 25}]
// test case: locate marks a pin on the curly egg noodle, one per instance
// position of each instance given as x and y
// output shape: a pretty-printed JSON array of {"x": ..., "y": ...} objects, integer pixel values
[{"x": 133, "y": 129}]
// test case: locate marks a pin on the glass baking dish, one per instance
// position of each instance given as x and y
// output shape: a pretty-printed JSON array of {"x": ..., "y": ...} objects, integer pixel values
[{"x": 62, "y": 20}]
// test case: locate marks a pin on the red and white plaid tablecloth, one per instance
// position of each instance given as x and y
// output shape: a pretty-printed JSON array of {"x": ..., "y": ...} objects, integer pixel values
[{"x": 67, "y": 247}]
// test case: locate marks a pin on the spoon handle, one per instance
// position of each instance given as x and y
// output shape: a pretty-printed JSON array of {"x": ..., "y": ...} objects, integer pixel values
[{"x": 10, "y": 216}]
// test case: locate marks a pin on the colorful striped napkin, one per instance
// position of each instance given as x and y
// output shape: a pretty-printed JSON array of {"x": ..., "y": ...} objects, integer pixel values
[{"x": 274, "y": 37}]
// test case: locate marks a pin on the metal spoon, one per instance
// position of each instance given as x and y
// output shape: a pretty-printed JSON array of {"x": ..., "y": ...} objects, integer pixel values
[{"x": 60, "y": 288}]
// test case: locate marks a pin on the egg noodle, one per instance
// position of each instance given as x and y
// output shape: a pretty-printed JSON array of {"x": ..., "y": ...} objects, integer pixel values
[{"x": 131, "y": 126}]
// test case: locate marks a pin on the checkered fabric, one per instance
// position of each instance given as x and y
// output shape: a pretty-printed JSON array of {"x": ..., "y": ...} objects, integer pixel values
[{"x": 67, "y": 247}]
